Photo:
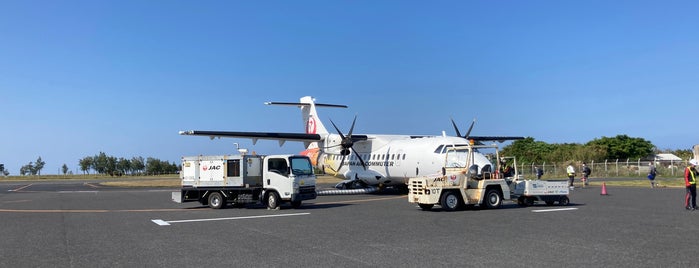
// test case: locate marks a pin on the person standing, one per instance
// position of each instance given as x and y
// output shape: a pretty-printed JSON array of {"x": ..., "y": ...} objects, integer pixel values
[
  {"x": 586, "y": 171},
  {"x": 571, "y": 175},
  {"x": 539, "y": 172},
  {"x": 651, "y": 174},
  {"x": 690, "y": 182}
]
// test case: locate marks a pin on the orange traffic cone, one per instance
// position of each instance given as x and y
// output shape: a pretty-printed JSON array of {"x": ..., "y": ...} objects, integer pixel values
[{"x": 604, "y": 188}]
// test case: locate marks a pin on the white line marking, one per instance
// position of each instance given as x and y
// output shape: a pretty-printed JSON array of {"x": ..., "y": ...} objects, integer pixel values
[
  {"x": 553, "y": 210},
  {"x": 20, "y": 188},
  {"x": 165, "y": 223},
  {"x": 77, "y": 192},
  {"x": 161, "y": 222}
]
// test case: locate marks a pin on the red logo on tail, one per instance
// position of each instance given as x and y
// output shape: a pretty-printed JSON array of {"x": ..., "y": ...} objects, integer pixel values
[{"x": 311, "y": 125}]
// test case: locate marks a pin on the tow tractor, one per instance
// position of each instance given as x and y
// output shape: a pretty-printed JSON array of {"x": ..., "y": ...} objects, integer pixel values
[{"x": 470, "y": 185}]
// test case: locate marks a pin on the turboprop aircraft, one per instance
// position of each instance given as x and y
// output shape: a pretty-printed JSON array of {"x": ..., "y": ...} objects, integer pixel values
[{"x": 370, "y": 159}]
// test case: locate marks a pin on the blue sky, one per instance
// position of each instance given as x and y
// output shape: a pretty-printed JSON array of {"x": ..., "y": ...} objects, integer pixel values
[{"x": 123, "y": 77}]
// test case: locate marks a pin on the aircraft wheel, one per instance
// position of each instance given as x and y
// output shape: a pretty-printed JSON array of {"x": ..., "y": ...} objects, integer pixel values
[
  {"x": 273, "y": 200},
  {"x": 493, "y": 199},
  {"x": 426, "y": 206},
  {"x": 216, "y": 200},
  {"x": 450, "y": 201}
]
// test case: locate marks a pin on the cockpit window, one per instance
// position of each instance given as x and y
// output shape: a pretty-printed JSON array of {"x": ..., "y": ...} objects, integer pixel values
[
  {"x": 439, "y": 149},
  {"x": 443, "y": 148}
]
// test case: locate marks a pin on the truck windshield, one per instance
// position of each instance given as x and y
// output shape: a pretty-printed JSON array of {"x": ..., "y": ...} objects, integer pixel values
[{"x": 301, "y": 166}]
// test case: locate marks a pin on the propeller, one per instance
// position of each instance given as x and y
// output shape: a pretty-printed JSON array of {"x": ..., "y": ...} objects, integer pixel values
[
  {"x": 468, "y": 133},
  {"x": 347, "y": 143}
]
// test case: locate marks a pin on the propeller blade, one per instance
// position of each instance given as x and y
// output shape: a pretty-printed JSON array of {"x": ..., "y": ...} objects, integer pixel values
[
  {"x": 337, "y": 129},
  {"x": 352, "y": 127},
  {"x": 455, "y": 128},
  {"x": 468, "y": 133},
  {"x": 360, "y": 159}
]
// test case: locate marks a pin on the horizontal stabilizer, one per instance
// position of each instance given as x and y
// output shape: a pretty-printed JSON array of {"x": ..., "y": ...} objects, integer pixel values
[{"x": 306, "y": 104}]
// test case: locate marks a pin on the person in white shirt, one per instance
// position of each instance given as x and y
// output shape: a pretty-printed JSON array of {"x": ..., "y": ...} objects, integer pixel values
[{"x": 571, "y": 175}]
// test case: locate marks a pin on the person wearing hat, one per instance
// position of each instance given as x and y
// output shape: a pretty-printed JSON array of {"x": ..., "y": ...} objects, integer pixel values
[{"x": 690, "y": 181}]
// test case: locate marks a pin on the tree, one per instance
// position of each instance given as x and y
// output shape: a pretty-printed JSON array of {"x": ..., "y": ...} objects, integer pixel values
[
  {"x": 153, "y": 166},
  {"x": 27, "y": 169},
  {"x": 100, "y": 163},
  {"x": 85, "y": 164},
  {"x": 137, "y": 164},
  {"x": 528, "y": 150},
  {"x": 623, "y": 147},
  {"x": 111, "y": 165},
  {"x": 64, "y": 168},
  {"x": 123, "y": 166},
  {"x": 38, "y": 166}
]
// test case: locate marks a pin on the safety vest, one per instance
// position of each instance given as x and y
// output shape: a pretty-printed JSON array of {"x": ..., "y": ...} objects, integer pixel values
[{"x": 693, "y": 180}]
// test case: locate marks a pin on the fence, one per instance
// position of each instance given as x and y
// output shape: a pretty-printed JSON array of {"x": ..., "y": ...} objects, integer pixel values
[{"x": 608, "y": 168}]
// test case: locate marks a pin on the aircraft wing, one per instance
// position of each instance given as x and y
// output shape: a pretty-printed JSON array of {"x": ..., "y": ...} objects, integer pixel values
[
  {"x": 278, "y": 136},
  {"x": 494, "y": 138}
]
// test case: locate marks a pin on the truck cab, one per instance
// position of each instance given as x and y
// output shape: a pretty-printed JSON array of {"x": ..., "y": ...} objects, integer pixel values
[{"x": 288, "y": 179}]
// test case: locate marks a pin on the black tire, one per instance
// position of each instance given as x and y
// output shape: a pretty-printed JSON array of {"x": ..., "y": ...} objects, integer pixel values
[
  {"x": 296, "y": 204},
  {"x": 216, "y": 200},
  {"x": 426, "y": 206},
  {"x": 521, "y": 201},
  {"x": 530, "y": 201},
  {"x": 450, "y": 201},
  {"x": 493, "y": 199},
  {"x": 564, "y": 201},
  {"x": 272, "y": 200}
]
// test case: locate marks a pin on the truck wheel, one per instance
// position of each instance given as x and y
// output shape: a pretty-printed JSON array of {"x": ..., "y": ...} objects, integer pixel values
[
  {"x": 564, "y": 201},
  {"x": 216, "y": 200},
  {"x": 273, "y": 200},
  {"x": 520, "y": 201},
  {"x": 426, "y": 206},
  {"x": 493, "y": 199},
  {"x": 450, "y": 201},
  {"x": 296, "y": 204},
  {"x": 530, "y": 201}
]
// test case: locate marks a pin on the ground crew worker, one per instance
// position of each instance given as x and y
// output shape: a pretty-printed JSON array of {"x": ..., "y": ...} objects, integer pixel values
[
  {"x": 571, "y": 175},
  {"x": 690, "y": 181}
]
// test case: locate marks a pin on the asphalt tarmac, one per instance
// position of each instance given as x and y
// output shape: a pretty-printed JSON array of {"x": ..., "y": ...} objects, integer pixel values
[{"x": 84, "y": 224}]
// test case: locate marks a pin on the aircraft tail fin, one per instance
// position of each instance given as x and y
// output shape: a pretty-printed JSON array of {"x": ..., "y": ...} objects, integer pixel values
[{"x": 311, "y": 121}]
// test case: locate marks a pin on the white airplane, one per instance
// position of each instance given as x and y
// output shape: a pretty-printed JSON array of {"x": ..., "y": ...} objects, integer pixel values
[{"x": 369, "y": 159}]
